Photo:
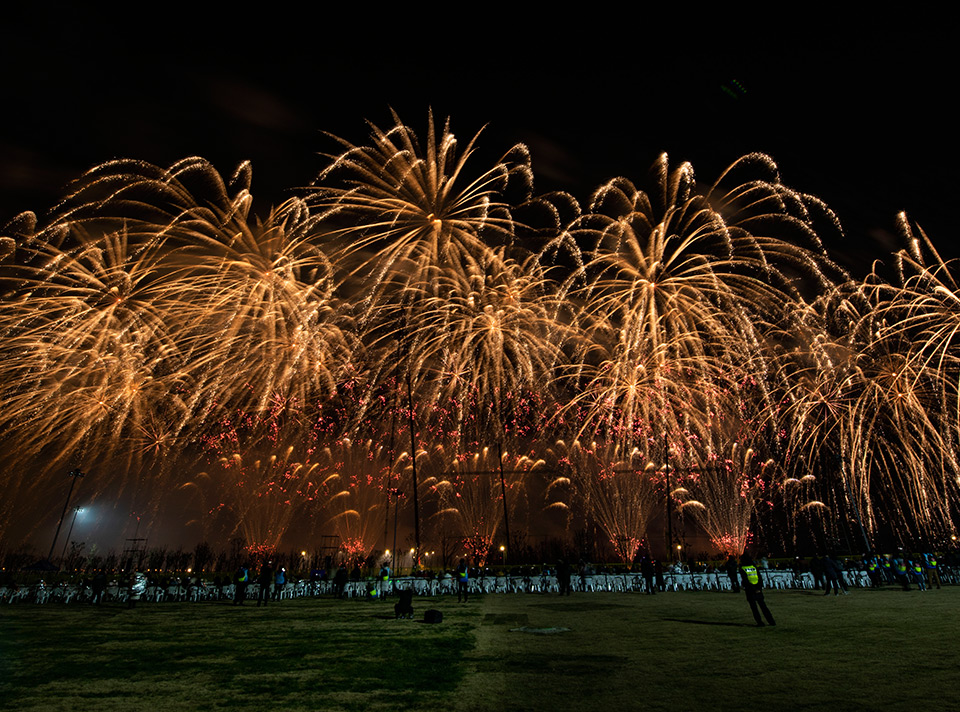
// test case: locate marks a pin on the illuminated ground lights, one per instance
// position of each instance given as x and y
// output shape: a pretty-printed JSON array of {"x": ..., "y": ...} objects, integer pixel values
[{"x": 666, "y": 341}]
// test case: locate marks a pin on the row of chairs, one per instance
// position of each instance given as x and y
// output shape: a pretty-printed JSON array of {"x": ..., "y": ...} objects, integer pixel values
[{"x": 445, "y": 585}]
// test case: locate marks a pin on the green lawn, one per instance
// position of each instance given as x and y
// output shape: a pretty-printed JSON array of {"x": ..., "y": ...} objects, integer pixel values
[{"x": 873, "y": 649}]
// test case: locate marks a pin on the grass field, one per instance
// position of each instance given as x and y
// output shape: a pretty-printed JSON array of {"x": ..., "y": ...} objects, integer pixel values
[{"x": 677, "y": 651}]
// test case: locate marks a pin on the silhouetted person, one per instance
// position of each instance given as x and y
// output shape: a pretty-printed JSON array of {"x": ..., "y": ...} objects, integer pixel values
[
  {"x": 99, "y": 585},
  {"x": 646, "y": 570},
  {"x": 833, "y": 576},
  {"x": 816, "y": 570},
  {"x": 265, "y": 580},
  {"x": 340, "y": 581},
  {"x": 733, "y": 573},
  {"x": 563, "y": 577}
]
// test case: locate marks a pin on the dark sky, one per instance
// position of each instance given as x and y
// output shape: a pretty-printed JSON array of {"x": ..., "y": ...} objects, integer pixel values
[
  {"x": 857, "y": 114},
  {"x": 860, "y": 114}
]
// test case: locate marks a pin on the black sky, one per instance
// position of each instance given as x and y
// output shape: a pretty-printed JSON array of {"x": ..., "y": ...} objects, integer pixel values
[{"x": 860, "y": 115}]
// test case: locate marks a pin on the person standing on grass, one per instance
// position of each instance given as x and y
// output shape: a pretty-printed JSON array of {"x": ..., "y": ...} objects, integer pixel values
[
  {"x": 265, "y": 580},
  {"x": 463, "y": 579},
  {"x": 873, "y": 569},
  {"x": 933, "y": 573},
  {"x": 886, "y": 568},
  {"x": 241, "y": 580},
  {"x": 916, "y": 570},
  {"x": 563, "y": 577},
  {"x": 900, "y": 571},
  {"x": 753, "y": 586},
  {"x": 646, "y": 570},
  {"x": 340, "y": 581},
  {"x": 816, "y": 570},
  {"x": 384, "y": 580},
  {"x": 99, "y": 585},
  {"x": 833, "y": 575},
  {"x": 733, "y": 573}
]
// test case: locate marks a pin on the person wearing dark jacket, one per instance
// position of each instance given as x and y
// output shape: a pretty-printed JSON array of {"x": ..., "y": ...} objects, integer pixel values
[
  {"x": 646, "y": 570},
  {"x": 732, "y": 572},
  {"x": 833, "y": 576},
  {"x": 753, "y": 586},
  {"x": 265, "y": 580},
  {"x": 563, "y": 577},
  {"x": 340, "y": 582},
  {"x": 816, "y": 569}
]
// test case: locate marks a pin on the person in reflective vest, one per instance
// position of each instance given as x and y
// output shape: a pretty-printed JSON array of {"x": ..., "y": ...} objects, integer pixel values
[
  {"x": 873, "y": 569},
  {"x": 463, "y": 579},
  {"x": 384, "y": 579},
  {"x": 241, "y": 580},
  {"x": 916, "y": 569},
  {"x": 900, "y": 570},
  {"x": 753, "y": 586},
  {"x": 887, "y": 568},
  {"x": 933, "y": 572}
]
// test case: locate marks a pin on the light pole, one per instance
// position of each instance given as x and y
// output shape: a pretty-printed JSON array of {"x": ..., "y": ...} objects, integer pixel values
[
  {"x": 405, "y": 349},
  {"x": 75, "y": 474},
  {"x": 76, "y": 511}
]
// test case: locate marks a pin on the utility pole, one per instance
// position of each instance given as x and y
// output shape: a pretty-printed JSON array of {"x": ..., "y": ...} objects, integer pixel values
[
  {"x": 413, "y": 442},
  {"x": 75, "y": 474}
]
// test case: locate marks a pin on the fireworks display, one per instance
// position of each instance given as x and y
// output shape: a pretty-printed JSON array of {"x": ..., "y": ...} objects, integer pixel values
[
  {"x": 694, "y": 344},
  {"x": 621, "y": 492}
]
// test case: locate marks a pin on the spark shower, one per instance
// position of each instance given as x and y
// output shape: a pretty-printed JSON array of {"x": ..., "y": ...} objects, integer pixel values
[{"x": 532, "y": 357}]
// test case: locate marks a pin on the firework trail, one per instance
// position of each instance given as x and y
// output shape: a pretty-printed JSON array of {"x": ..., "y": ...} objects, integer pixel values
[
  {"x": 153, "y": 310},
  {"x": 723, "y": 495},
  {"x": 618, "y": 490},
  {"x": 410, "y": 209},
  {"x": 470, "y": 493},
  {"x": 680, "y": 286},
  {"x": 262, "y": 494},
  {"x": 488, "y": 334},
  {"x": 359, "y": 475},
  {"x": 866, "y": 405},
  {"x": 91, "y": 372}
]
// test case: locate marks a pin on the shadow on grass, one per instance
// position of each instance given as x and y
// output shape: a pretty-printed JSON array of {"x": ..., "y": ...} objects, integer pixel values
[
  {"x": 578, "y": 606},
  {"x": 720, "y": 623}
]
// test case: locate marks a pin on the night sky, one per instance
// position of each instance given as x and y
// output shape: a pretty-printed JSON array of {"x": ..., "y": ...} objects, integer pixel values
[{"x": 857, "y": 114}]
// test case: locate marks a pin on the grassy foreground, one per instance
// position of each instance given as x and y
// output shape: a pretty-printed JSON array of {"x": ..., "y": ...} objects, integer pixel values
[{"x": 873, "y": 649}]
